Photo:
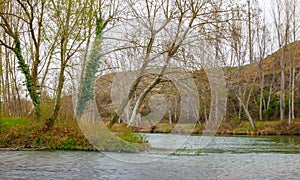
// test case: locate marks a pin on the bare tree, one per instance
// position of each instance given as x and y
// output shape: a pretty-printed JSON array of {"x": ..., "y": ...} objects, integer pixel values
[
  {"x": 73, "y": 32},
  {"x": 30, "y": 14},
  {"x": 161, "y": 34},
  {"x": 262, "y": 37},
  {"x": 47, "y": 38},
  {"x": 295, "y": 27},
  {"x": 280, "y": 28},
  {"x": 250, "y": 32}
]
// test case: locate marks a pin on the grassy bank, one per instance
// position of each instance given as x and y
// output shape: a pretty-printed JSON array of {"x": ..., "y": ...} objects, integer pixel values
[
  {"x": 233, "y": 128},
  {"x": 18, "y": 133},
  {"x": 262, "y": 128}
]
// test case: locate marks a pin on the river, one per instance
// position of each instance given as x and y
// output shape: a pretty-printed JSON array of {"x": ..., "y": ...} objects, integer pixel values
[{"x": 223, "y": 158}]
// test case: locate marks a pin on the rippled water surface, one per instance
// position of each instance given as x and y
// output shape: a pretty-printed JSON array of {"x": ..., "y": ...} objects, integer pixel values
[{"x": 223, "y": 158}]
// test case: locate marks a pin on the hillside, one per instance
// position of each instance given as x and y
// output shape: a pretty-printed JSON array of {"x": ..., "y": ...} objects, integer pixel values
[
  {"x": 271, "y": 64},
  {"x": 250, "y": 80}
]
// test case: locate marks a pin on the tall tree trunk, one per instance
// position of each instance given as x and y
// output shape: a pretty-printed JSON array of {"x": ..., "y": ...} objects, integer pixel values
[
  {"x": 250, "y": 33},
  {"x": 270, "y": 92},
  {"x": 15, "y": 90},
  {"x": 290, "y": 86},
  {"x": 293, "y": 81},
  {"x": 261, "y": 96},
  {"x": 282, "y": 88},
  {"x": 247, "y": 112},
  {"x": 61, "y": 79},
  {"x": 31, "y": 81},
  {"x": 7, "y": 86},
  {"x": 1, "y": 87},
  {"x": 294, "y": 15},
  {"x": 141, "y": 99}
]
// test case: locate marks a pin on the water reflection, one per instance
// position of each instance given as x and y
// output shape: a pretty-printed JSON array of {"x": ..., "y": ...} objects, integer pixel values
[{"x": 236, "y": 144}]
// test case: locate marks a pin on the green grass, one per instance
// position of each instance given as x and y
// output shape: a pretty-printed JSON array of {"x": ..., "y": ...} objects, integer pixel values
[
  {"x": 268, "y": 128},
  {"x": 259, "y": 124},
  {"x": 240, "y": 130},
  {"x": 122, "y": 140},
  {"x": 65, "y": 135},
  {"x": 177, "y": 128},
  {"x": 7, "y": 123}
]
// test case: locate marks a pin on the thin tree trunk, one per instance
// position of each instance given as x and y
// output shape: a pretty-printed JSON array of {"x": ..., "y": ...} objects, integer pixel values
[
  {"x": 294, "y": 57},
  {"x": 50, "y": 122},
  {"x": 170, "y": 118},
  {"x": 270, "y": 92},
  {"x": 7, "y": 86},
  {"x": 250, "y": 33},
  {"x": 261, "y": 97},
  {"x": 125, "y": 102},
  {"x": 16, "y": 92},
  {"x": 293, "y": 83},
  {"x": 63, "y": 62},
  {"x": 252, "y": 85},
  {"x": 282, "y": 89},
  {"x": 247, "y": 113},
  {"x": 290, "y": 86},
  {"x": 1, "y": 87},
  {"x": 142, "y": 97}
]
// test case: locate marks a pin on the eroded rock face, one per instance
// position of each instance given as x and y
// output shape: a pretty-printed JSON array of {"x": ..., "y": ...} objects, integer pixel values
[
  {"x": 106, "y": 96},
  {"x": 164, "y": 97}
]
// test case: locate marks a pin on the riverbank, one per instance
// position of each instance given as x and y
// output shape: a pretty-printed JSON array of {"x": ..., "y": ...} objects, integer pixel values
[
  {"x": 231, "y": 128},
  {"x": 25, "y": 134}
]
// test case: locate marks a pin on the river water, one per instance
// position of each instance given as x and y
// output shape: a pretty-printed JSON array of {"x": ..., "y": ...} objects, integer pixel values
[{"x": 222, "y": 158}]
